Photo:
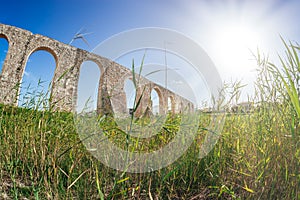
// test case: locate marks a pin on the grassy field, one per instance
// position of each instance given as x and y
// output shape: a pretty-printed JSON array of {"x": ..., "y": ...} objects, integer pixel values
[{"x": 257, "y": 155}]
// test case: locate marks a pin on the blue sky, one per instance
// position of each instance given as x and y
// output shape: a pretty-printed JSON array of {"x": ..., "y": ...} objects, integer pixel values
[
  {"x": 62, "y": 19},
  {"x": 225, "y": 29}
]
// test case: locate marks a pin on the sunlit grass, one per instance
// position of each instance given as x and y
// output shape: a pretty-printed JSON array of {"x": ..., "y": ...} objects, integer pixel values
[{"x": 257, "y": 155}]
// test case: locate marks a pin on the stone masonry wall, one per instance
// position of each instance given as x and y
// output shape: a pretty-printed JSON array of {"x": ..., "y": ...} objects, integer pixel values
[{"x": 111, "y": 94}]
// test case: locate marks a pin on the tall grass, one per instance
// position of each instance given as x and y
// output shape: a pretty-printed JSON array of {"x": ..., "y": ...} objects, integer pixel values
[{"x": 256, "y": 157}]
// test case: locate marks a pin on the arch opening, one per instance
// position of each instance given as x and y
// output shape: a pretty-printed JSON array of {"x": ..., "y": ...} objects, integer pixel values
[
  {"x": 36, "y": 81},
  {"x": 130, "y": 93},
  {"x": 88, "y": 87},
  {"x": 4, "y": 45},
  {"x": 156, "y": 101}
]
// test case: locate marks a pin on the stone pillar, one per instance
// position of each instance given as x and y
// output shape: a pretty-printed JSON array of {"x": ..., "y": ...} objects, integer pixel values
[
  {"x": 65, "y": 76},
  {"x": 144, "y": 96},
  {"x": 14, "y": 64}
]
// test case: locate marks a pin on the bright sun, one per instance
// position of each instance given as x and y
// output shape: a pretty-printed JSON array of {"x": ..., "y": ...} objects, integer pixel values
[
  {"x": 235, "y": 44},
  {"x": 233, "y": 31}
]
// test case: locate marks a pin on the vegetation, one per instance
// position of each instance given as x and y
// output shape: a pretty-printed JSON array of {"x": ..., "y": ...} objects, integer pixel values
[{"x": 257, "y": 155}]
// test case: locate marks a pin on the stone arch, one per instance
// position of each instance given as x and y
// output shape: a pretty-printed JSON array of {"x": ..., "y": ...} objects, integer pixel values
[
  {"x": 130, "y": 93},
  {"x": 89, "y": 81},
  {"x": 40, "y": 48},
  {"x": 92, "y": 58},
  {"x": 97, "y": 62},
  {"x": 2, "y": 59},
  {"x": 68, "y": 59},
  {"x": 47, "y": 49},
  {"x": 171, "y": 104},
  {"x": 36, "y": 82},
  {"x": 160, "y": 109},
  {"x": 2, "y": 35}
]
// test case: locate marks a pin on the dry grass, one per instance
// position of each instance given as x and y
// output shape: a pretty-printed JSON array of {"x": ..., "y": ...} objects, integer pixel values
[{"x": 256, "y": 157}]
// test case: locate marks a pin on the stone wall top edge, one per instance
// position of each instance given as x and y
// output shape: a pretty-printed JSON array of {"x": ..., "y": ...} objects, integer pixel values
[{"x": 88, "y": 55}]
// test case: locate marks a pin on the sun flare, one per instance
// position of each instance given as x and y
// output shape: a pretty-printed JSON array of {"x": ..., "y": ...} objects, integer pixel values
[{"x": 236, "y": 43}]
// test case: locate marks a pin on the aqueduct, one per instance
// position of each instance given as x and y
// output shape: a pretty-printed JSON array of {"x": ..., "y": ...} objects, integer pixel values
[{"x": 111, "y": 94}]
